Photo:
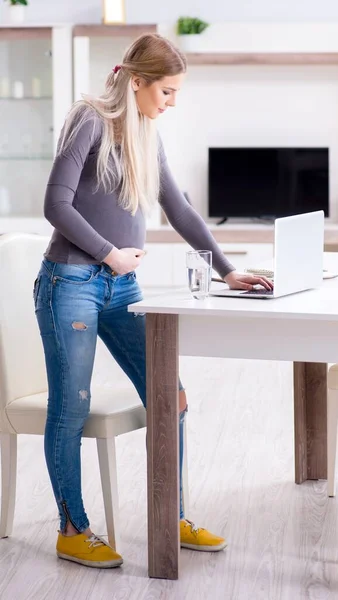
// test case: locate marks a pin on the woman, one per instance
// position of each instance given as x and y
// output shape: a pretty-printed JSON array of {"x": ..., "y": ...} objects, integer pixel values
[{"x": 109, "y": 170}]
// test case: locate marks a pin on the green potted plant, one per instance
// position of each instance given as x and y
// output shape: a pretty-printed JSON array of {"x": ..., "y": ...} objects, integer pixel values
[
  {"x": 16, "y": 11},
  {"x": 189, "y": 30}
]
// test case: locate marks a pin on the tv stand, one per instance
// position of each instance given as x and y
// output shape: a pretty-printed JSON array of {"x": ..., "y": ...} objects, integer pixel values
[
  {"x": 263, "y": 220},
  {"x": 222, "y": 221}
]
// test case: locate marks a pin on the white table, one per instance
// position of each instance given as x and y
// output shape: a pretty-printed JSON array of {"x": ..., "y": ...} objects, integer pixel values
[{"x": 302, "y": 328}]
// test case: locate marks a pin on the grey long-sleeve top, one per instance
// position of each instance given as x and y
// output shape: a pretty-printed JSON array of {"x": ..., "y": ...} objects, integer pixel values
[{"x": 89, "y": 223}]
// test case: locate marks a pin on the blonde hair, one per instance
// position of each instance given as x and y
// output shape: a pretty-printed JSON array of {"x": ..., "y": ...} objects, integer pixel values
[{"x": 135, "y": 169}]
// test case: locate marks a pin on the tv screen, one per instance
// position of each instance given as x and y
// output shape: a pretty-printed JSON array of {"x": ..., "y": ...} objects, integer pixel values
[{"x": 267, "y": 182}]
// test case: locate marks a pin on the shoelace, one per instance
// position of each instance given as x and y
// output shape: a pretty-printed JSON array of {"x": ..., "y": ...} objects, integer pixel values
[
  {"x": 193, "y": 527},
  {"x": 95, "y": 541}
]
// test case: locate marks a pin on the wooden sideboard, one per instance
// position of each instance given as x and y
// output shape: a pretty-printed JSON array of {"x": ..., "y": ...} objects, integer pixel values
[{"x": 237, "y": 235}]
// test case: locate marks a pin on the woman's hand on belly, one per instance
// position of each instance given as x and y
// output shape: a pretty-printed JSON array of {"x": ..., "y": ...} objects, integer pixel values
[{"x": 125, "y": 260}]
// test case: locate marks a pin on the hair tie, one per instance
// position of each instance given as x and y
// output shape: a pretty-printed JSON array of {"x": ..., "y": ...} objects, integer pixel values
[{"x": 116, "y": 69}]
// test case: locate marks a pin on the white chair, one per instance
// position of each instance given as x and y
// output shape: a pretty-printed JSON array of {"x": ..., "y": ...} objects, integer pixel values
[
  {"x": 332, "y": 424},
  {"x": 23, "y": 385}
]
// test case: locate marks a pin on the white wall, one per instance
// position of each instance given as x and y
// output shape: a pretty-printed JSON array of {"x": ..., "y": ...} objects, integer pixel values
[
  {"x": 244, "y": 106},
  {"x": 249, "y": 106},
  {"x": 154, "y": 11},
  {"x": 233, "y": 10},
  {"x": 254, "y": 106},
  {"x": 60, "y": 11}
]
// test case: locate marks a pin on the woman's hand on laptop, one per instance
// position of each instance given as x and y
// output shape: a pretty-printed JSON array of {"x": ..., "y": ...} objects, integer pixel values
[{"x": 245, "y": 281}]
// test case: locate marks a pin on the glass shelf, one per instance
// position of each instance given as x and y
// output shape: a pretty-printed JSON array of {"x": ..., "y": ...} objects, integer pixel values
[
  {"x": 13, "y": 99},
  {"x": 19, "y": 158}
]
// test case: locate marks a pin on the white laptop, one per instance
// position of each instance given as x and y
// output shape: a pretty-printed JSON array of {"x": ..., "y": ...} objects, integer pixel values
[{"x": 298, "y": 258}]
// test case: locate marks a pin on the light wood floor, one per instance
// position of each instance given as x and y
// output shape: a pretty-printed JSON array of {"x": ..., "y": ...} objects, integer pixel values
[{"x": 283, "y": 539}]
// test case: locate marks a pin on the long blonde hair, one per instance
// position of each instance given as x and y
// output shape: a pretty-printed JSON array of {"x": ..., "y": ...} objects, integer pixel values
[{"x": 134, "y": 169}]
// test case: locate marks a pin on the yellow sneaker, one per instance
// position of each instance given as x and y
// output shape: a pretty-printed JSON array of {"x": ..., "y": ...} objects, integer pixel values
[
  {"x": 196, "y": 538},
  {"x": 89, "y": 551}
]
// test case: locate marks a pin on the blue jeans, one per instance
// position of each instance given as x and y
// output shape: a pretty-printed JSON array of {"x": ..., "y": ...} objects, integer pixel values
[{"x": 74, "y": 304}]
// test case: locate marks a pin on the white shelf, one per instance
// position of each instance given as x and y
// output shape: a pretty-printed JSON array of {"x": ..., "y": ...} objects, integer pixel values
[
  {"x": 26, "y": 158},
  {"x": 29, "y": 98},
  {"x": 34, "y": 25}
]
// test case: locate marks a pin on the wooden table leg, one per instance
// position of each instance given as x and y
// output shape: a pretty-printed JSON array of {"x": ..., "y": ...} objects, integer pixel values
[
  {"x": 162, "y": 446},
  {"x": 310, "y": 402}
]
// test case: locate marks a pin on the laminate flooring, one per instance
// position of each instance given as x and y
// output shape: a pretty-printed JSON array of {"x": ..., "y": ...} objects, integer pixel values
[{"x": 283, "y": 538}]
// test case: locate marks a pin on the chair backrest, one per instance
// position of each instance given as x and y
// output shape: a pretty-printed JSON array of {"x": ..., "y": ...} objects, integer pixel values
[{"x": 22, "y": 366}]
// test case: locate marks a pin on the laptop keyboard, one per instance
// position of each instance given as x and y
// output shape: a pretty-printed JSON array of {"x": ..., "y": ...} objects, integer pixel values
[{"x": 262, "y": 292}]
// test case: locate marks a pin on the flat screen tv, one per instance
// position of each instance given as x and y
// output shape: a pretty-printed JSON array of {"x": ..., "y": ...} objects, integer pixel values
[{"x": 267, "y": 182}]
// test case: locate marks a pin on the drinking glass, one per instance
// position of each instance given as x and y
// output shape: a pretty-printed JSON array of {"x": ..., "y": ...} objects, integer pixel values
[{"x": 199, "y": 269}]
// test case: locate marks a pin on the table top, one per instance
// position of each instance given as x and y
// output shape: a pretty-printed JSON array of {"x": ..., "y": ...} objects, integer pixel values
[{"x": 318, "y": 304}]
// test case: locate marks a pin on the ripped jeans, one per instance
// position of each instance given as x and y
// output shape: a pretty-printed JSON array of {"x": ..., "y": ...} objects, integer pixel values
[{"x": 74, "y": 304}]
